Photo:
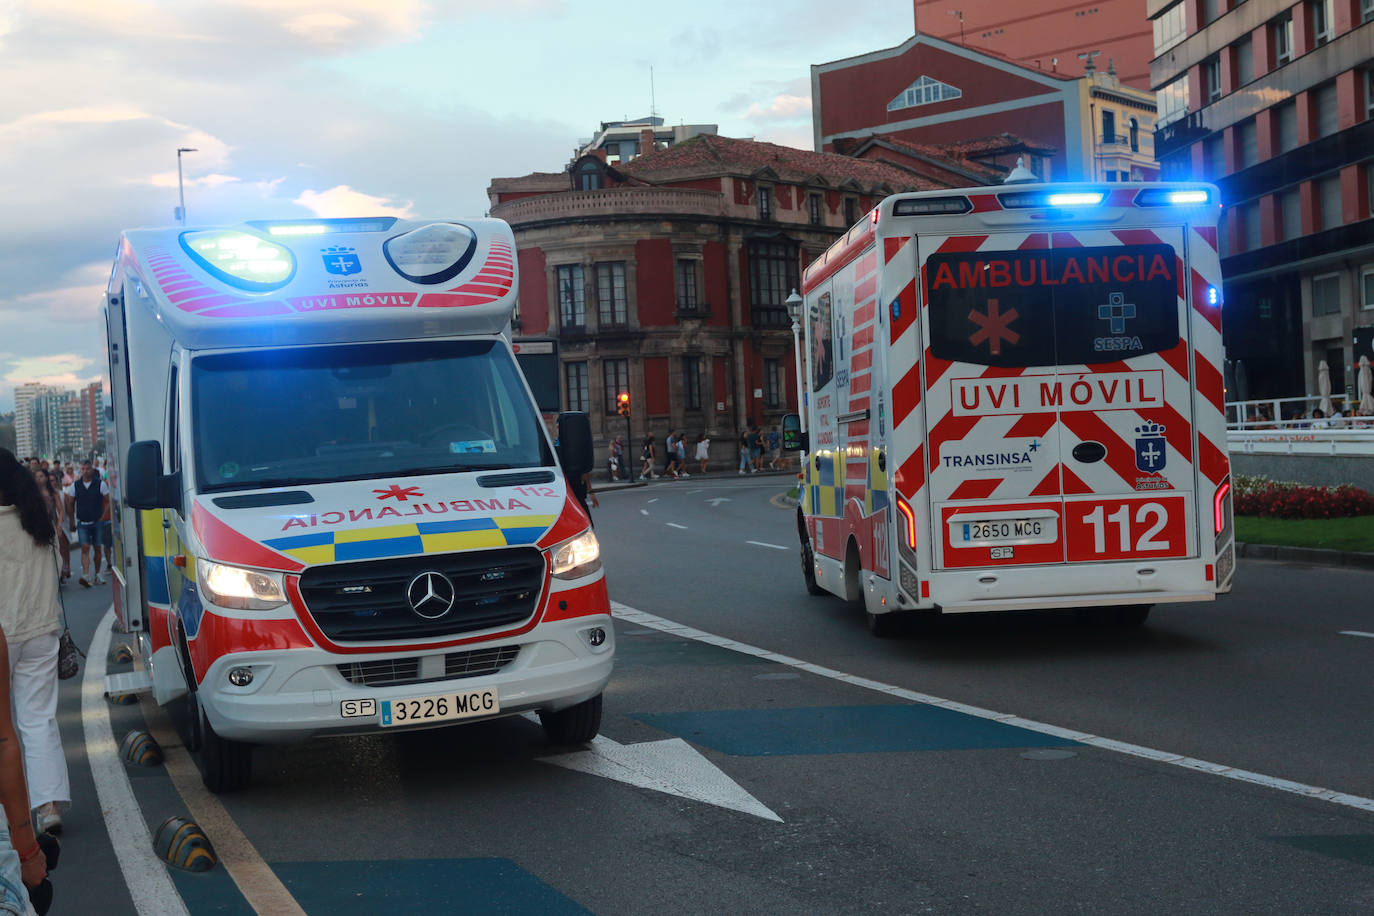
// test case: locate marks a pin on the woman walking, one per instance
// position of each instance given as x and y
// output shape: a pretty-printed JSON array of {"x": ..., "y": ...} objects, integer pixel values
[
  {"x": 52, "y": 496},
  {"x": 646, "y": 459},
  {"x": 29, "y": 614},
  {"x": 703, "y": 452}
]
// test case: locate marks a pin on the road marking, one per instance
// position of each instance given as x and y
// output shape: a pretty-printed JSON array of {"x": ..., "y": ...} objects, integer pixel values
[
  {"x": 144, "y": 873},
  {"x": 715, "y": 501},
  {"x": 762, "y": 544},
  {"x": 643, "y": 511},
  {"x": 654, "y": 500},
  {"x": 676, "y": 525},
  {"x": 1356, "y": 633},
  {"x": 671, "y": 766},
  {"x": 645, "y": 619}
]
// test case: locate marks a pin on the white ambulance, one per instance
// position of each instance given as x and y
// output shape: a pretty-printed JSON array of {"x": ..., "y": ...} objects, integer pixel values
[
  {"x": 1015, "y": 402},
  {"x": 338, "y": 508}
]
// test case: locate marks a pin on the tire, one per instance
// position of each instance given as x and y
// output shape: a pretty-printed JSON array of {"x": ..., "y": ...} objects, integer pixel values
[
  {"x": 1129, "y": 617},
  {"x": 225, "y": 765},
  {"x": 577, "y": 724},
  {"x": 885, "y": 625},
  {"x": 808, "y": 562}
]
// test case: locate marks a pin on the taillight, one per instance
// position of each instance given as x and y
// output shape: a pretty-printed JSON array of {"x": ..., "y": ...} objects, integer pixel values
[
  {"x": 910, "y": 517},
  {"x": 1221, "y": 507}
]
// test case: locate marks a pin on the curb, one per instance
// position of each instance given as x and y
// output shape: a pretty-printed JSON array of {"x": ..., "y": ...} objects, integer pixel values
[{"x": 1314, "y": 555}]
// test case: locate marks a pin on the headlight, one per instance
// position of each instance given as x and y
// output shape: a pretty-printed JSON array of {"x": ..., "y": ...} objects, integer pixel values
[
  {"x": 578, "y": 557},
  {"x": 234, "y": 587}
]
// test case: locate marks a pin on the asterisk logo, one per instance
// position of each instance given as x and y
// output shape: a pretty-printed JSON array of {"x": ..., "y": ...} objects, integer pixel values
[
  {"x": 993, "y": 327},
  {"x": 401, "y": 493}
]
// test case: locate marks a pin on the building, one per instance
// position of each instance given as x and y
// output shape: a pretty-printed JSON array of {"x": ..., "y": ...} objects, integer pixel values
[
  {"x": 622, "y": 141},
  {"x": 1086, "y": 125},
  {"x": 1274, "y": 101},
  {"x": 1047, "y": 34},
  {"x": 61, "y": 422},
  {"x": 24, "y": 396},
  {"x": 667, "y": 276}
]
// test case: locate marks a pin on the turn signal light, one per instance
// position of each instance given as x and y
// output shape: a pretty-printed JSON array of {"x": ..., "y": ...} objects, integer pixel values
[{"x": 909, "y": 518}]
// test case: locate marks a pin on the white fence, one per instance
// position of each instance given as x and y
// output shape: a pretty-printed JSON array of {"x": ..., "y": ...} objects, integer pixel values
[{"x": 1285, "y": 426}]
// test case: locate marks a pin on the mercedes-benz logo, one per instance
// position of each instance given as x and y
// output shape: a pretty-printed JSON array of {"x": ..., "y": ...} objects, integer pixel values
[{"x": 430, "y": 595}]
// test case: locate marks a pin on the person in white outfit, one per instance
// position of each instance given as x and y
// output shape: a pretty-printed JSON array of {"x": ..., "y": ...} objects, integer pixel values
[{"x": 29, "y": 615}]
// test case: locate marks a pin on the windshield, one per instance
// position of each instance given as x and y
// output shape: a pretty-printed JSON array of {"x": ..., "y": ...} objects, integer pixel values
[{"x": 289, "y": 417}]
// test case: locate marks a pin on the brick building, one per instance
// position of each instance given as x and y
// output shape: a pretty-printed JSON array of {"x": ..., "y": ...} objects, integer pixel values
[
  {"x": 1274, "y": 101},
  {"x": 666, "y": 276},
  {"x": 1087, "y": 124}
]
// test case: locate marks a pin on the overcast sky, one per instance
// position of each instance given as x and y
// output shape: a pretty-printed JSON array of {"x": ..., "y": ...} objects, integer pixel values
[{"x": 343, "y": 108}]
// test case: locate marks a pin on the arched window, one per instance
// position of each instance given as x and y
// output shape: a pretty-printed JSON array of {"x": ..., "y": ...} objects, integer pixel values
[
  {"x": 1135, "y": 135},
  {"x": 589, "y": 176}
]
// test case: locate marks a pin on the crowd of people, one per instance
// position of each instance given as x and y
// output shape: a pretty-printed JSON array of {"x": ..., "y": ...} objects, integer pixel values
[
  {"x": 40, "y": 503},
  {"x": 755, "y": 449}
]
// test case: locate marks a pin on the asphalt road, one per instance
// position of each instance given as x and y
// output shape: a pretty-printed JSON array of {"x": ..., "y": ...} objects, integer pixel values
[{"x": 882, "y": 805}]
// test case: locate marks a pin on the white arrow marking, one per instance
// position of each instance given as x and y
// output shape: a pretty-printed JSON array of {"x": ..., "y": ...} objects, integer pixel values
[
  {"x": 643, "y": 511},
  {"x": 671, "y": 766},
  {"x": 676, "y": 525},
  {"x": 717, "y": 500},
  {"x": 1356, "y": 633},
  {"x": 654, "y": 500}
]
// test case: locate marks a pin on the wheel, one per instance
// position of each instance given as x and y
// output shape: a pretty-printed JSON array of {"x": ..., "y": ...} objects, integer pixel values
[
  {"x": 884, "y": 625},
  {"x": 1131, "y": 616},
  {"x": 225, "y": 765},
  {"x": 808, "y": 562},
  {"x": 577, "y": 724}
]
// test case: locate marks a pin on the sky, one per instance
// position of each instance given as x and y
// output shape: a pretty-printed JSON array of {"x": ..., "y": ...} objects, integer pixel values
[{"x": 344, "y": 108}]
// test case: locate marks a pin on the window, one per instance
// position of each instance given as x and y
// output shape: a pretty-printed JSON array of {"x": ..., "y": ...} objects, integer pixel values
[
  {"x": 1173, "y": 101},
  {"x": 1367, "y": 287},
  {"x": 691, "y": 382},
  {"x": 1321, "y": 21},
  {"x": 923, "y": 92},
  {"x": 765, "y": 200},
  {"x": 773, "y": 273},
  {"x": 1369, "y": 91},
  {"x": 616, "y": 375},
  {"x": 1211, "y": 9},
  {"x": 1329, "y": 198},
  {"x": 1135, "y": 135},
  {"x": 1247, "y": 143},
  {"x": 1170, "y": 28},
  {"x": 588, "y": 177},
  {"x": 572, "y": 296},
  {"x": 687, "y": 285},
  {"x": 1281, "y": 35},
  {"x": 1366, "y": 11},
  {"x": 1245, "y": 60},
  {"x": 1286, "y": 126},
  {"x": 1250, "y": 226},
  {"x": 1211, "y": 74},
  {"x": 851, "y": 211},
  {"x": 1214, "y": 152},
  {"x": 1108, "y": 126},
  {"x": 1325, "y": 110},
  {"x": 575, "y": 383},
  {"x": 1290, "y": 214},
  {"x": 813, "y": 209},
  {"x": 1326, "y": 295},
  {"x": 610, "y": 293},
  {"x": 772, "y": 383}
]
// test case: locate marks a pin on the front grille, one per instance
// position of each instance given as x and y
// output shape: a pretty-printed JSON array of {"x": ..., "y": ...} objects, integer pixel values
[
  {"x": 393, "y": 672},
  {"x": 367, "y": 601}
]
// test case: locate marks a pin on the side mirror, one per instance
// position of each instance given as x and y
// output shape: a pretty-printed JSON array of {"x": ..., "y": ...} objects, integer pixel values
[
  {"x": 793, "y": 439},
  {"x": 145, "y": 486},
  {"x": 575, "y": 443}
]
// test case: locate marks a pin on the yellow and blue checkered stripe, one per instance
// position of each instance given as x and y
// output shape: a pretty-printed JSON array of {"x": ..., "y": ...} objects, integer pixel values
[
  {"x": 876, "y": 497},
  {"x": 827, "y": 484},
  {"x": 413, "y": 538}
]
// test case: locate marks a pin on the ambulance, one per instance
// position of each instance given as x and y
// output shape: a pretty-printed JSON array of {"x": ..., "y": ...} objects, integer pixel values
[
  {"x": 1015, "y": 402},
  {"x": 338, "y": 508}
]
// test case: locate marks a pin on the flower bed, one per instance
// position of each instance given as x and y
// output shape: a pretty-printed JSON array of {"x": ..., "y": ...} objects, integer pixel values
[{"x": 1260, "y": 496}]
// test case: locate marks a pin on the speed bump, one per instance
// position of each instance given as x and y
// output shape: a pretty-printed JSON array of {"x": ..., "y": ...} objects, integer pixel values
[
  {"x": 123, "y": 699},
  {"x": 139, "y": 747},
  {"x": 182, "y": 843},
  {"x": 120, "y": 653}
]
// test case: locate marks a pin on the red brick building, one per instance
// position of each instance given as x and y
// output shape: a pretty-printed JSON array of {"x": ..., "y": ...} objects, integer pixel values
[{"x": 667, "y": 276}]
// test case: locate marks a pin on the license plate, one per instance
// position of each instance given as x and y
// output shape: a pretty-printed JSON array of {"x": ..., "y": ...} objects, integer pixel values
[
  {"x": 439, "y": 708},
  {"x": 1007, "y": 530}
]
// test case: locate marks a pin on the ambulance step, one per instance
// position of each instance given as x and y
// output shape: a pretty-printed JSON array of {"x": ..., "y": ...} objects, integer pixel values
[{"x": 128, "y": 683}]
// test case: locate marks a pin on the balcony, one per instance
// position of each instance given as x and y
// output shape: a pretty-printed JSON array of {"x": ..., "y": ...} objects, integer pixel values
[{"x": 610, "y": 202}]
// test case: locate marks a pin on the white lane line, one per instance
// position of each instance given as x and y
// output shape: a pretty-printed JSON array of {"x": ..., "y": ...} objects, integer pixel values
[
  {"x": 144, "y": 873},
  {"x": 643, "y": 511},
  {"x": 654, "y": 500},
  {"x": 645, "y": 619},
  {"x": 676, "y": 525},
  {"x": 1356, "y": 633},
  {"x": 762, "y": 544}
]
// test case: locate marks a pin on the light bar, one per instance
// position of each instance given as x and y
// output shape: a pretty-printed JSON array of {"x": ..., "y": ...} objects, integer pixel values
[
  {"x": 1213, "y": 297},
  {"x": 305, "y": 229},
  {"x": 1026, "y": 199},
  {"x": 1076, "y": 199},
  {"x": 1172, "y": 197},
  {"x": 240, "y": 259},
  {"x": 328, "y": 226},
  {"x": 435, "y": 253},
  {"x": 1188, "y": 197},
  {"x": 931, "y": 206}
]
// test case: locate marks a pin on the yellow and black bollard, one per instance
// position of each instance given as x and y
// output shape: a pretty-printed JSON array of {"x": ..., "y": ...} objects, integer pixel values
[{"x": 182, "y": 843}]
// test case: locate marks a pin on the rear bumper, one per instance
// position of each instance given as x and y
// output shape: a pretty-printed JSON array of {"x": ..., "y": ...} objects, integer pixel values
[
  {"x": 1079, "y": 585},
  {"x": 297, "y": 693}
]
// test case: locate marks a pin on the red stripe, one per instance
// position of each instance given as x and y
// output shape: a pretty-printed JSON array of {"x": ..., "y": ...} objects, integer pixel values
[
  {"x": 1200, "y": 304},
  {"x": 861, "y": 361},
  {"x": 1066, "y": 240},
  {"x": 891, "y": 247},
  {"x": 859, "y": 403},
  {"x": 863, "y": 338},
  {"x": 976, "y": 489},
  {"x": 958, "y": 243},
  {"x": 856, "y": 470},
  {"x": 1073, "y": 484},
  {"x": 210, "y": 302},
  {"x": 906, "y": 395},
  {"x": 855, "y": 491},
  {"x": 867, "y": 264},
  {"x": 864, "y": 313},
  {"x": 983, "y": 203},
  {"x": 1208, "y": 235},
  {"x": 857, "y": 428},
  {"x": 1137, "y": 237},
  {"x": 1210, "y": 383},
  {"x": 248, "y": 310},
  {"x": 1035, "y": 241},
  {"x": 1177, "y": 430},
  {"x": 949, "y": 428},
  {"x": 1089, "y": 426},
  {"x": 1031, "y": 425},
  {"x": 911, "y": 476},
  {"x": 858, "y": 384},
  {"x": 935, "y": 367},
  {"x": 1050, "y": 485},
  {"x": 1211, "y": 461},
  {"x": 1177, "y": 357},
  {"x": 906, "y": 310},
  {"x": 453, "y": 300}
]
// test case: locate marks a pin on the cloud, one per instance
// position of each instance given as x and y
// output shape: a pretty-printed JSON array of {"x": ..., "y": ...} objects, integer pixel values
[
  {"x": 342, "y": 201},
  {"x": 782, "y": 108}
]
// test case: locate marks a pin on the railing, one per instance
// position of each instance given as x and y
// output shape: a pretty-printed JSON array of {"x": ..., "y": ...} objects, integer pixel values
[
  {"x": 611, "y": 202},
  {"x": 1286, "y": 426}
]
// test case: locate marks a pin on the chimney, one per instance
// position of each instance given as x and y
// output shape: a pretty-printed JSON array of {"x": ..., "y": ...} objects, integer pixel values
[{"x": 646, "y": 141}]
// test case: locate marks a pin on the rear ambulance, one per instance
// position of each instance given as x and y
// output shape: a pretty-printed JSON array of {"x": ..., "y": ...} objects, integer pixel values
[
  {"x": 338, "y": 508},
  {"x": 1017, "y": 403}
]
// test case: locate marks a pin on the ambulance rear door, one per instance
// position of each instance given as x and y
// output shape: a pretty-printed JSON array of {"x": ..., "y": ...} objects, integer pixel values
[{"x": 1059, "y": 410}]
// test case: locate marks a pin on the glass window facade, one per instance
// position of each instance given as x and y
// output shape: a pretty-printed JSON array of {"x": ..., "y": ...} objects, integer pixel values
[
  {"x": 1286, "y": 126},
  {"x": 1173, "y": 101},
  {"x": 1245, "y": 60},
  {"x": 923, "y": 92},
  {"x": 610, "y": 293},
  {"x": 1290, "y": 214},
  {"x": 1170, "y": 28},
  {"x": 572, "y": 296},
  {"x": 575, "y": 384},
  {"x": 1329, "y": 198},
  {"x": 1247, "y": 143},
  {"x": 1326, "y": 294},
  {"x": 691, "y": 382},
  {"x": 687, "y": 284},
  {"x": 616, "y": 375},
  {"x": 1325, "y": 108}
]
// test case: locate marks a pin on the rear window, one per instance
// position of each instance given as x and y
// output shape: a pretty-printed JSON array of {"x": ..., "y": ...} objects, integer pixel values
[{"x": 1066, "y": 306}]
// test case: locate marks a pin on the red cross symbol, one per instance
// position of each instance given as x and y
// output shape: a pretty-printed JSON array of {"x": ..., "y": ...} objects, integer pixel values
[
  {"x": 992, "y": 328},
  {"x": 401, "y": 493}
]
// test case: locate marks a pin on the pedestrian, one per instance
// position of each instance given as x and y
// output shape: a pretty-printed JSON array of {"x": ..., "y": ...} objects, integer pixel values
[
  {"x": 29, "y": 618},
  {"x": 744, "y": 466},
  {"x": 682, "y": 454},
  {"x": 618, "y": 469},
  {"x": 52, "y": 498},
  {"x": 774, "y": 448},
  {"x": 703, "y": 453},
  {"x": 88, "y": 501},
  {"x": 646, "y": 459},
  {"x": 756, "y": 448}
]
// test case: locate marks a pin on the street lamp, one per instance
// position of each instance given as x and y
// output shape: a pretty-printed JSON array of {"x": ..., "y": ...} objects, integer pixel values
[
  {"x": 794, "y": 308},
  {"x": 181, "y": 191}
]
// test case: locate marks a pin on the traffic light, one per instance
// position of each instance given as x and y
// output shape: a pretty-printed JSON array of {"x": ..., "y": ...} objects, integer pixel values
[{"x": 623, "y": 404}]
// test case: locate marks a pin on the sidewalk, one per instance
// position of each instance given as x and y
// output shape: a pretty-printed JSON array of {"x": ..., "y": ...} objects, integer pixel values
[
  {"x": 1315, "y": 555},
  {"x": 602, "y": 485}
]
